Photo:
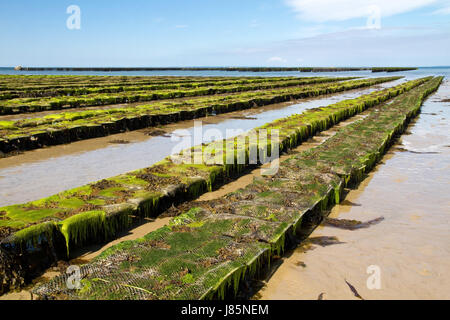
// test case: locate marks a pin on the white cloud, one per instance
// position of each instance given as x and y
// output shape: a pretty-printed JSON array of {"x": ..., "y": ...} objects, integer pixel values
[
  {"x": 181, "y": 26},
  {"x": 358, "y": 47},
  {"x": 442, "y": 11},
  {"x": 277, "y": 59},
  {"x": 333, "y": 10}
]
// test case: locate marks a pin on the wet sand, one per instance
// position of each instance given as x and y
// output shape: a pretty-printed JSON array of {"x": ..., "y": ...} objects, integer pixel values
[
  {"x": 64, "y": 167},
  {"x": 410, "y": 246}
]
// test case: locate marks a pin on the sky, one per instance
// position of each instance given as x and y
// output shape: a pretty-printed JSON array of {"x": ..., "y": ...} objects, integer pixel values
[{"x": 283, "y": 33}]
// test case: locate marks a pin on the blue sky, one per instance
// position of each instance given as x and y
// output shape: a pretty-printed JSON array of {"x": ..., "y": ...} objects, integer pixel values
[{"x": 226, "y": 33}]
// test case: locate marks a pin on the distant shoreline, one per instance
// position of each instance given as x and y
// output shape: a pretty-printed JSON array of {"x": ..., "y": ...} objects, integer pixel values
[{"x": 239, "y": 69}]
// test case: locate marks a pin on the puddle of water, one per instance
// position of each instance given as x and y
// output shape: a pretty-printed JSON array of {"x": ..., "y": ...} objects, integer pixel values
[
  {"x": 44, "y": 172},
  {"x": 411, "y": 246}
]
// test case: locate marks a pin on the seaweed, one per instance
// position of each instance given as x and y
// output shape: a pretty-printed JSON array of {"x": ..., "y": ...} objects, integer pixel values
[
  {"x": 56, "y": 99},
  {"x": 28, "y": 134}
]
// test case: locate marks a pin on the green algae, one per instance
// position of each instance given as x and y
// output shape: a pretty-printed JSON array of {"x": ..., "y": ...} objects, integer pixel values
[
  {"x": 187, "y": 218},
  {"x": 109, "y": 95},
  {"x": 32, "y": 236},
  {"x": 79, "y": 228},
  {"x": 89, "y": 123},
  {"x": 22, "y": 216}
]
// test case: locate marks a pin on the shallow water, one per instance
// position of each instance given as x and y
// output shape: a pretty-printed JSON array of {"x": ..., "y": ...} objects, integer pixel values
[
  {"x": 214, "y": 73},
  {"x": 44, "y": 172},
  {"x": 411, "y": 246}
]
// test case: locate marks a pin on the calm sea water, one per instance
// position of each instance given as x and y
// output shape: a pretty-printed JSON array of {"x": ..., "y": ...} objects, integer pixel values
[{"x": 409, "y": 74}]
